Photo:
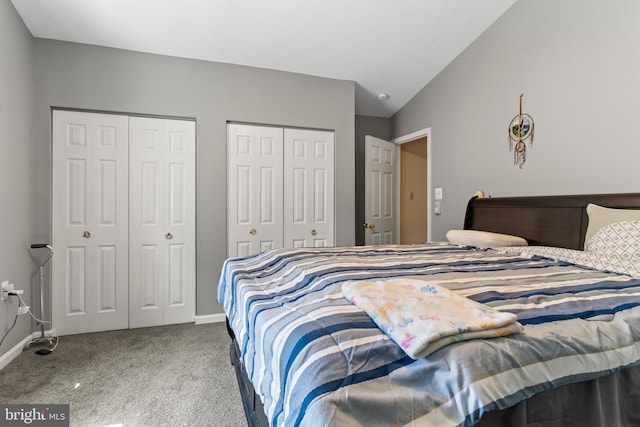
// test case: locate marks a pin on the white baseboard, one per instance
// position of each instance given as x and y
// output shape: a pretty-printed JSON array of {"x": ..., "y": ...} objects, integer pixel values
[
  {"x": 6, "y": 358},
  {"x": 210, "y": 318}
]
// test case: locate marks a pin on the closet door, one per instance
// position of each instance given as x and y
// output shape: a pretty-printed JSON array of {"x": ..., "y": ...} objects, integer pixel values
[
  {"x": 308, "y": 188},
  {"x": 89, "y": 222},
  {"x": 254, "y": 189},
  {"x": 161, "y": 221}
]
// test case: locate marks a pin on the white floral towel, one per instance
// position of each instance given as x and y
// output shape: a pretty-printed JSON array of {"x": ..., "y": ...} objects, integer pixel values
[{"x": 422, "y": 318}]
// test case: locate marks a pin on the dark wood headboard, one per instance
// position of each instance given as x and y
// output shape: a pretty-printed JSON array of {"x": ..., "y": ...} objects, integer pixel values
[{"x": 546, "y": 220}]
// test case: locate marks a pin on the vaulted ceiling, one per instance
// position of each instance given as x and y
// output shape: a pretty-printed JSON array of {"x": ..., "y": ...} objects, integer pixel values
[{"x": 385, "y": 46}]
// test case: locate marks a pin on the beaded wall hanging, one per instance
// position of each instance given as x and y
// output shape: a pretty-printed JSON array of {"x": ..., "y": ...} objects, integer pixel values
[{"x": 520, "y": 130}]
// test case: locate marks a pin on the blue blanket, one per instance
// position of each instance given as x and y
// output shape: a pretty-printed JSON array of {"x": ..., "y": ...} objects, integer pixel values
[{"x": 311, "y": 355}]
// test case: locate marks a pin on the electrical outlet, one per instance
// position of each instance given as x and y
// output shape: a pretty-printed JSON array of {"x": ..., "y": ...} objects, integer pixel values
[{"x": 6, "y": 288}]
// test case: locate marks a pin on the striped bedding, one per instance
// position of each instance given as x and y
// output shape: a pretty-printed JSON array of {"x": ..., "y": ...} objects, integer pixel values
[{"x": 314, "y": 358}]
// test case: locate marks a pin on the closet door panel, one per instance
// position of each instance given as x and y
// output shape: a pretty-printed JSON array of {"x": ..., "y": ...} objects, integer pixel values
[
  {"x": 162, "y": 221},
  {"x": 177, "y": 194},
  {"x": 254, "y": 196},
  {"x": 179, "y": 294},
  {"x": 268, "y": 197},
  {"x": 176, "y": 264},
  {"x": 76, "y": 283},
  {"x": 107, "y": 274},
  {"x": 150, "y": 271},
  {"x": 76, "y": 183},
  {"x": 89, "y": 222},
  {"x": 242, "y": 249},
  {"x": 146, "y": 220},
  {"x": 308, "y": 188},
  {"x": 299, "y": 194},
  {"x": 107, "y": 191},
  {"x": 243, "y": 195},
  {"x": 149, "y": 182}
]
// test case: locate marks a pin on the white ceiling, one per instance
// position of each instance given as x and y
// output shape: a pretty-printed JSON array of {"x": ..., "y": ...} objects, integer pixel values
[{"x": 388, "y": 46}]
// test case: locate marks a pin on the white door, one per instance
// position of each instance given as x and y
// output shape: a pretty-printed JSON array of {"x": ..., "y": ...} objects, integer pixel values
[
  {"x": 89, "y": 222},
  {"x": 308, "y": 188},
  {"x": 254, "y": 190},
  {"x": 161, "y": 221},
  {"x": 380, "y": 184}
]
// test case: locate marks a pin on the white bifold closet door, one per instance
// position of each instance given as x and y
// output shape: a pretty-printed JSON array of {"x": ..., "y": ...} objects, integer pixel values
[
  {"x": 280, "y": 188},
  {"x": 308, "y": 188},
  {"x": 161, "y": 221},
  {"x": 255, "y": 189},
  {"x": 90, "y": 231},
  {"x": 123, "y": 200}
]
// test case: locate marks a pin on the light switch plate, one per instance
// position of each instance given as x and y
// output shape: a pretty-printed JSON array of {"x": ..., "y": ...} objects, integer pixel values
[{"x": 438, "y": 193}]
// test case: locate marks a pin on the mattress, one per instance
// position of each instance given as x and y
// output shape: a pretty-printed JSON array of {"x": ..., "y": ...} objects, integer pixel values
[{"x": 311, "y": 355}]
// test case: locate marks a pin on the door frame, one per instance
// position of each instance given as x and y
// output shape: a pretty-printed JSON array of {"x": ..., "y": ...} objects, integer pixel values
[{"x": 408, "y": 138}]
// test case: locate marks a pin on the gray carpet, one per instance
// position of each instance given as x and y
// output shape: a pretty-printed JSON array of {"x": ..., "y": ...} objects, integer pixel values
[{"x": 177, "y": 375}]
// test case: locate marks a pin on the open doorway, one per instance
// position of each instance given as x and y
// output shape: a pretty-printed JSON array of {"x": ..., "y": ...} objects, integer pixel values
[
  {"x": 413, "y": 192},
  {"x": 424, "y": 215}
]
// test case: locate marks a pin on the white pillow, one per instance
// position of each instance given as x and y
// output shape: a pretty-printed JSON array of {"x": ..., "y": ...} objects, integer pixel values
[
  {"x": 600, "y": 216},
  {"x": 484, "y": 239},
  {"x": 617, "y": 247},
  {"x": 620, "y": 239}
]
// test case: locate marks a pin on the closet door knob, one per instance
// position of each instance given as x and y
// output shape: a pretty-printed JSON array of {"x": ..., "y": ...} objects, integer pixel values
[
  {"x": 314, "y": 232},
  {"x": 86, "y": 234},
  {"x": 168, "y": 236},
  {"x": 253, "y": 231}
]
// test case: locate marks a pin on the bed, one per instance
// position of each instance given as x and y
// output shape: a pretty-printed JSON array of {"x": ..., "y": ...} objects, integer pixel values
[{"x": 305, "y": 355}]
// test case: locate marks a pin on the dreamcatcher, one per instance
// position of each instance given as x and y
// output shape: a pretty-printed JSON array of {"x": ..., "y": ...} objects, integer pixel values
[{"x": 520, "y": 130}]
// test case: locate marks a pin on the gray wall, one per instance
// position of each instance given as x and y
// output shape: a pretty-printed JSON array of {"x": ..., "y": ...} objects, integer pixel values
[
  {"x": 90, "y": 77},
  {"x": 365, "y": 125},
  {"x": 577, "y": 63},
  {"x": 16, "y": 167}
]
